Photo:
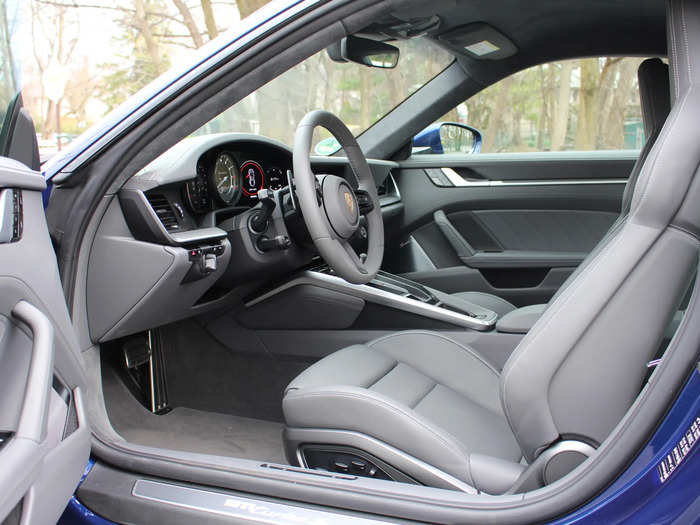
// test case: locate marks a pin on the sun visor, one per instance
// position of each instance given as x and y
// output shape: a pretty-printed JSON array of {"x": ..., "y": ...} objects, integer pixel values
[{"x": 479, "y": 40}]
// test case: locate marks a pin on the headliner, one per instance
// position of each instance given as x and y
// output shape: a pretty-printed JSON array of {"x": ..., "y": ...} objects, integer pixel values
[{"x": 547, "y": 30}]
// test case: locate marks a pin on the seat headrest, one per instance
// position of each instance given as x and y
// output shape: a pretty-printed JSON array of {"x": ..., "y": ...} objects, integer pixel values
[{"x": 654, "y": 94}]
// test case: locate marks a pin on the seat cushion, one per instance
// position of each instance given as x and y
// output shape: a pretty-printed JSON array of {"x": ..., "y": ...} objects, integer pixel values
[
  {"x": 488, "y": 301},
  {"x": 417, "y": 391}
]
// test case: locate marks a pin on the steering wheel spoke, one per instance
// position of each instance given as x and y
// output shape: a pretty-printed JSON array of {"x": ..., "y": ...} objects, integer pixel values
[{"x": 352, "y": 255}]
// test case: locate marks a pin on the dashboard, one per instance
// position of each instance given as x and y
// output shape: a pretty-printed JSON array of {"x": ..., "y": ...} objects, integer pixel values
[
  {"x": 232, "y": 174},
  {"x": 189, "y": 214},
  {"x": 191, "y": 191}
]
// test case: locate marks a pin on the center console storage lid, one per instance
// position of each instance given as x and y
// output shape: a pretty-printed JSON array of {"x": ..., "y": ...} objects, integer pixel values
[{"x": 521, "y": 320}]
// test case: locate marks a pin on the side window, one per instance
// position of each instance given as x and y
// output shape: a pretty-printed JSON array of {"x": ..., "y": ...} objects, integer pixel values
[{"x": 573, "y": 105}]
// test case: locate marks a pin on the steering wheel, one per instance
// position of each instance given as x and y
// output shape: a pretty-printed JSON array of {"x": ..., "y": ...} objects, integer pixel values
[{"x": 330, "y": 205}]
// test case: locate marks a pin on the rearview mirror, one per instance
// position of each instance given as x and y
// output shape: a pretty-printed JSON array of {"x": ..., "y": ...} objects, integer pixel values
[
  {"x": 364, "y": 51},
  {"x": 447, "y": 137}
]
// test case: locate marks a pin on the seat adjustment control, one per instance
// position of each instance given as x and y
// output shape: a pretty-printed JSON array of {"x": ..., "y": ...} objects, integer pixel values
[{"x": 343, "y": 462}]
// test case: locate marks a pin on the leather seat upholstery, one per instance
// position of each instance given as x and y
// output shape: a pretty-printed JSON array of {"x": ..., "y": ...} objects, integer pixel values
[
  {"x": 578, "y": 370},
  {"x": 419, "y": 384},
  {"x": 655, "y": 99}
]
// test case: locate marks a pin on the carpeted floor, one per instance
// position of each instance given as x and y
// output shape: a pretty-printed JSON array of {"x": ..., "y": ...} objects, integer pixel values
[
  {"x": 205, "y": 375},
  {"x": 190, "y": 430}
]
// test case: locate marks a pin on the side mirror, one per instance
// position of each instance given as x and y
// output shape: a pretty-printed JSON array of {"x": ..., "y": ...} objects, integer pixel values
[
  {"x": 448, "y": 137},
  {"x": 364, "y": 51}
]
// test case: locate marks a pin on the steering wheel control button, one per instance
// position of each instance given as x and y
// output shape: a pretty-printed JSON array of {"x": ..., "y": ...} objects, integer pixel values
[
  {"x": 341, "y": 207},
  {"x": 364, "y": 201}
]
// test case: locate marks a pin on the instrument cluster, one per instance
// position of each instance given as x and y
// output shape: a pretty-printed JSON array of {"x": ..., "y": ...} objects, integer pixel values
[{"x": 232, "y": 177}]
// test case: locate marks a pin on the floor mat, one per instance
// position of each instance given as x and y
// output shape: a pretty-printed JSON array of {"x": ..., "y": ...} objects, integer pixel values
[
  {"x": 190, "y": 430},
  {"x": 204, "y": 374}
]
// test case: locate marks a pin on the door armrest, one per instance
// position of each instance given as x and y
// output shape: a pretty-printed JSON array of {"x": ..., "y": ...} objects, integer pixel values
[{"x": 521, "y": 320}]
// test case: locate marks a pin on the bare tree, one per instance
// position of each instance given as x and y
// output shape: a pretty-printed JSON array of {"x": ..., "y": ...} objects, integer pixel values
[
  {"x": 9, "y": 82},
  {"x": 561, "y": 112},
  {"x": 246, "y": 7},
  {"x": 189, "y": 22},
  {"x": 612, "y": 121},
  {"x": 59, "y": 31}
]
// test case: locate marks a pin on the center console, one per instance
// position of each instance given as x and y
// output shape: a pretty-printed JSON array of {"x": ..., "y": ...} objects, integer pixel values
[{"x": 393, "y": 293}]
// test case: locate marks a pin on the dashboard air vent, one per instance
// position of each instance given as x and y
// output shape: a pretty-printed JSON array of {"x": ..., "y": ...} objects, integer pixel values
[
  {"x": 388, "y": 192},
  {"x": 164, "y": 211}
]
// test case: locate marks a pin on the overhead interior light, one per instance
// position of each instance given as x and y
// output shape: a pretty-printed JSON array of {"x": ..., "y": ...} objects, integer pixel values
[
  {"x": 482, "y": 48},
  {"x": 479, "y": 40}
]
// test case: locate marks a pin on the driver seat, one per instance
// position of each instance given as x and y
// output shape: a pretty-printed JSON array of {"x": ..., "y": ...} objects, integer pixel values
[
  {"x": 654, "y": 93},
  {"x": 419, "y": 406}
]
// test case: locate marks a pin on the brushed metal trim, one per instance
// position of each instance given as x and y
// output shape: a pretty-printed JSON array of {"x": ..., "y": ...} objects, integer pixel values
[
  {"x": 378, "y": 296},
  {"x": 459, "y": 181},
  {"x": 238, "y": 507},
  {"x": 536, "y": 471}
]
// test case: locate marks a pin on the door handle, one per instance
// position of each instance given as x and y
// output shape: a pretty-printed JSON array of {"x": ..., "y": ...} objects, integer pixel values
[
  {"x": 459, "y": 244},
  {"x": 7, "y": 215},
  {"x": 32, "y": 422}
]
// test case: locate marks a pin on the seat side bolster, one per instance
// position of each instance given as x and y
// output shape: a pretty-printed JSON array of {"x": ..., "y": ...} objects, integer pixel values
[{"x": 361, "y": 410}]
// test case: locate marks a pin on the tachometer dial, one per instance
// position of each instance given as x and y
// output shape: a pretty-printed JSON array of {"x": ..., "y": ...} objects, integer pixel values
[
  {"x": 253, "y": 178},
  {"x": 276, "y": 179},
  {"x": 226, "y": 179}
]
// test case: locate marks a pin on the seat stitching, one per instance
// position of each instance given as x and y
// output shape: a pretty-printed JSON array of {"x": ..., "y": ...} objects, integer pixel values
[
  {"x": 469, "y": 350},
  {"x": 421, "y": 398},
  {"x": 687, "y": 47},
  {"x": 382, "y": 376},
  {"x": 455, "y": 447},
  {"x": 674, "y": 51}
]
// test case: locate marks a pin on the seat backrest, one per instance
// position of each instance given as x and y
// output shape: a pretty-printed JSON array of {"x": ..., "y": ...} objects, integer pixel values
[
  {"x": 581, "y": 366},
  {"x": 655, "y": 100}
]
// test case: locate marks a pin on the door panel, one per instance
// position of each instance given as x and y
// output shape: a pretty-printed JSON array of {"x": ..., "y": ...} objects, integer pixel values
[
  {"x": 515, "y": 225},
  {"x": 45, "y": 439}
]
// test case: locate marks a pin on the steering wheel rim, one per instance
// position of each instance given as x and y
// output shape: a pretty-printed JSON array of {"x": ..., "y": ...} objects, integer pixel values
[{"x": 329, "y": 205}]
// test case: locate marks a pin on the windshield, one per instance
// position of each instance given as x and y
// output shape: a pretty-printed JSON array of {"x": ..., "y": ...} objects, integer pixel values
[{"x": 358, "y": 94}]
